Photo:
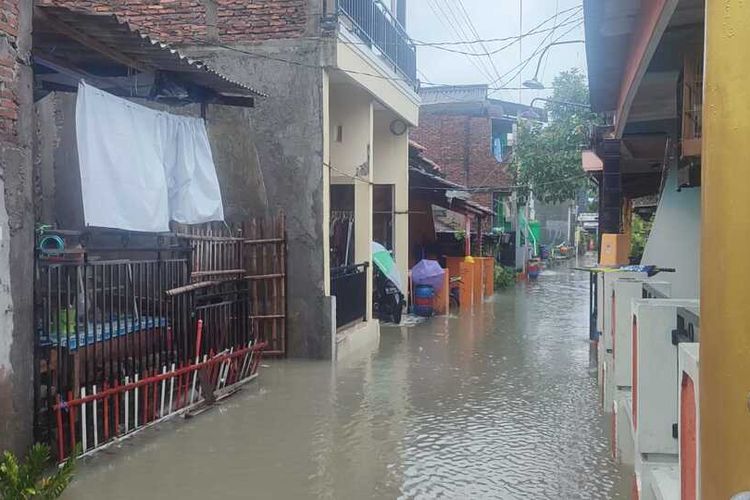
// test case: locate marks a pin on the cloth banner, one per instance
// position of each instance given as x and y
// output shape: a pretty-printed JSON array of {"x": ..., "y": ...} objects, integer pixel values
[{"x": 141, "y": 168}]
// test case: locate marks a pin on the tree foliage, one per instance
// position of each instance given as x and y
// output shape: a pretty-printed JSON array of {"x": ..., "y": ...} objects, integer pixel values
[{"x": 548, "y": 156}]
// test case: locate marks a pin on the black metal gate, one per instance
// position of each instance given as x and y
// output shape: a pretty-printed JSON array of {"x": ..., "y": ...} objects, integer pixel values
[{"x": 349, "y": 286}]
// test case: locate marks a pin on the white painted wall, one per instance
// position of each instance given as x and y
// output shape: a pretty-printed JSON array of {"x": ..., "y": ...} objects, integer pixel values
[
  {"x": 391, "y": 166},
  {"x": 675, "y": 238}
]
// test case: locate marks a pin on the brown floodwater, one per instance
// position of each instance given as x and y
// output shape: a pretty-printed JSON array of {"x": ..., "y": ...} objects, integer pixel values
[{"x": 501, "y": 403}]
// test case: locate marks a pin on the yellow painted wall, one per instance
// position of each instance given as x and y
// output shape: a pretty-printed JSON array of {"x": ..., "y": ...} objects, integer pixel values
[
  {"x": 361, "y": 62},
  {"x": 725, "y": 274},
  {"x": 391, "y": 166},
  {"x": 351, "y": 108}
]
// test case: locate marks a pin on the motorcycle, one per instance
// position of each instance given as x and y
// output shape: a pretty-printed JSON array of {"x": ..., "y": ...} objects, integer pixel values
[{"x": 388, "y": 301}]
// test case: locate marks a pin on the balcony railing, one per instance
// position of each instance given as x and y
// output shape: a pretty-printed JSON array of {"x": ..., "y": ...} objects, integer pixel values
[
  {"x": 349, "y": 286},
  {"x": 377, "y": 27}
]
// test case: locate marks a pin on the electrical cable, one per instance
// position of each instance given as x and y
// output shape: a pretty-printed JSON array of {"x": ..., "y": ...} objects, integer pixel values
[
  {"x": 542, "y": 44},
  {"x": 473, "y": 30},
  {"x": 533, "y": 31},
  {"x": 516, "y": 70},
  {"x": 455, "y": 27},
  {"x": 494, "y": 51}
]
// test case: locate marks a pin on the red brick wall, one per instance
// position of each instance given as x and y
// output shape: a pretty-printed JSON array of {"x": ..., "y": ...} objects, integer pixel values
[
  {"x": 193, "y": 21},
  {"x": 8, "y": 71},
  {"x": 461, "y": 142}
]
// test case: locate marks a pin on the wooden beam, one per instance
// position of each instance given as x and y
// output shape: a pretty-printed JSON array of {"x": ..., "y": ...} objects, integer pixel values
[
  {"x": 65, "y": 67},
  {"x": 88, "y": 41}
]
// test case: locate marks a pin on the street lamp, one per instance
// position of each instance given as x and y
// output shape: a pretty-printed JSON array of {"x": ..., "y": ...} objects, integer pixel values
[
  {"x": 530, "y": 114},
  {"x": 534, "y": 83}
]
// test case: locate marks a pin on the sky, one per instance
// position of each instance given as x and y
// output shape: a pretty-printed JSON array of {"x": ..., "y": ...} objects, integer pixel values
[{"x": 445, "y": 21}]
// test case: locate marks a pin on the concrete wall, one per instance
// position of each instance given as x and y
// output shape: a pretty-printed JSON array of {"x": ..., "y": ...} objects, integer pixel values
[
  {"x": 16, "y": 228},
  {"x": 675, "y": 238},
  {"x": 287, "y": 130}
]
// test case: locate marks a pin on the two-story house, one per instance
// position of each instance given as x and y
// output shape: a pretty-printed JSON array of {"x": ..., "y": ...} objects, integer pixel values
[
  {"x": 331, "y": 138},
  {"x": 471, "y": 136}
]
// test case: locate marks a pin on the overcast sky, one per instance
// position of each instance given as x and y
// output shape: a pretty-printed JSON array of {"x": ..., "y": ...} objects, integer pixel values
[{"x": 437, "y": 21}]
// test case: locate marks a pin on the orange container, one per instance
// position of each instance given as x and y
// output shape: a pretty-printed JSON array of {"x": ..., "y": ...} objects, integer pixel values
[{"x": 615, "y": 249}]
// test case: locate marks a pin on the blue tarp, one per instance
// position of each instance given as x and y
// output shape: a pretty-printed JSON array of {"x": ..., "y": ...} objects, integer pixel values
[{"x": 88, "y": 334}]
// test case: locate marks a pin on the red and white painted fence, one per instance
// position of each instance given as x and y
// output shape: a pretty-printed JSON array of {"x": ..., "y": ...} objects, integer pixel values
[{"x": 103, "y": 415}]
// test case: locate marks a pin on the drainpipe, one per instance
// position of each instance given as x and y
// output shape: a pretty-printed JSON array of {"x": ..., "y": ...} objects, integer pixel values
[{"x": 725, "y": 239}]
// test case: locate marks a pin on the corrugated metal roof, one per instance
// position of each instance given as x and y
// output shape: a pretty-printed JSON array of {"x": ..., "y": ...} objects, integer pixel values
[
  {"x": 84, "y": 38},
  {"x": 421, "y": 181}
]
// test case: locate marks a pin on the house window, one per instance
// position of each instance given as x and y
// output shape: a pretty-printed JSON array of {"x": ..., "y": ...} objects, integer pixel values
[
  {"x": 692, "y": 102},
  {"x": 499, "y": 147},
  {"x": 692, "y": 95},
  {"x": 502, "y": 217}
]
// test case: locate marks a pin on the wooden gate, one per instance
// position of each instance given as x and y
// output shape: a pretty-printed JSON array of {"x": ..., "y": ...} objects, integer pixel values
[
  {"x": 254, "y": 250},
  {"x": 265, "y": 265}
]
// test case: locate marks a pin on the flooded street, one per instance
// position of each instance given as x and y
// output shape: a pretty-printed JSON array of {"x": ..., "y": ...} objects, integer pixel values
[{"x": 501, "y": 404}]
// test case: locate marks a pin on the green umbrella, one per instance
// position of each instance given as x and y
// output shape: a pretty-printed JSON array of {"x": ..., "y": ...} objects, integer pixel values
[{"x": 384, "y": 260}]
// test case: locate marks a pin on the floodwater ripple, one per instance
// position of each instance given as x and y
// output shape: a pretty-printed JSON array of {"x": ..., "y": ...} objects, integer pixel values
[{"x": 498, "y": 404}]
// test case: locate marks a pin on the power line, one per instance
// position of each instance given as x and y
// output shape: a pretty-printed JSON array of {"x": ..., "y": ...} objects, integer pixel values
[
  {"x": 533, "y": 31},
  {"x": 457, "y": 29},
  {"x": 318, "y": 66},
  {"x": 474, "y": 31},
  {"x": 522, "y": 64},
  {"x": 497, "y": 50},
  {"x": 541, "y": 49},
  {"x": 486, "y": 189}
]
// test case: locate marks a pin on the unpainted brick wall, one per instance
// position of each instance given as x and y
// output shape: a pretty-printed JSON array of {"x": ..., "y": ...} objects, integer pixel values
[
  {"x": 462, "y": 146},
  {"x": 8, "y": 71},
  {"x": 196, "y": 21}
]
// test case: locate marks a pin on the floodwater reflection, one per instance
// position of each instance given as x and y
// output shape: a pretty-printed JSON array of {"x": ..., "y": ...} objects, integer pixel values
[{"x": 501, "y": 403}]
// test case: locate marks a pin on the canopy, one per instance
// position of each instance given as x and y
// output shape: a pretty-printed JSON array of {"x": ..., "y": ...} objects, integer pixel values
[
  {"x": 384, "y": 260},
  {"x": 428, "y": 272}
]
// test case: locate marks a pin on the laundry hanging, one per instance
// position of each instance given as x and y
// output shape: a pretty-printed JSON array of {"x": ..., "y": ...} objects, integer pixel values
[{"x": 141, "y": 168}]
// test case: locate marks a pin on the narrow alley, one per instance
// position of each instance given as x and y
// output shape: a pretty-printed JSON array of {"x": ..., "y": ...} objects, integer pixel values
[{"x": 501, "y": 404}]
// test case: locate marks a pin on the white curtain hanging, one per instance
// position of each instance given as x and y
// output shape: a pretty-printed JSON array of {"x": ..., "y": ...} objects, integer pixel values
[{"x": 141, "y": 168}]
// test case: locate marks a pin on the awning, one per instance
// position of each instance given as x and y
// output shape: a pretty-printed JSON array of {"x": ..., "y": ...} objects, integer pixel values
[
  {"x": 108, "y": 52},
  {"x": 436, "y": 189}
]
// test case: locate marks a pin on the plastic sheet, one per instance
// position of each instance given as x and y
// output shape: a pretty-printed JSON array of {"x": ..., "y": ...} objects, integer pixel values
[
  {"x": 428, "y": 272},
  {"x": 140, "y": 167}
]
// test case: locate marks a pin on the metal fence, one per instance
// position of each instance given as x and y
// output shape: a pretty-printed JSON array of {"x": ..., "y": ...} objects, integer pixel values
[
  {"x": 373, "y": 23},
  {"x": 349, "y": 286},
  {"x": 117, "y": 338}
]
